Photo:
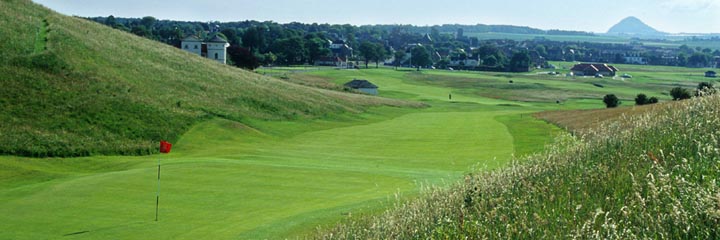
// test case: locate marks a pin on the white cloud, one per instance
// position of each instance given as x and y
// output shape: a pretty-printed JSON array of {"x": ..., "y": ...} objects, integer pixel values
[{"x": 691, "y": 5}]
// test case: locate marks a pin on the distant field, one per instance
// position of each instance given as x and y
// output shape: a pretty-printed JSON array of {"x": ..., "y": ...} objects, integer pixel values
[{"x": 671, "y": 41}]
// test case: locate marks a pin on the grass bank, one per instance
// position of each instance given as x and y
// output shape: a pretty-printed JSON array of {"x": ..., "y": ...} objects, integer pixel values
[
  {"x": 648, "y": 176},
  {"x": 77, "y": 88}
]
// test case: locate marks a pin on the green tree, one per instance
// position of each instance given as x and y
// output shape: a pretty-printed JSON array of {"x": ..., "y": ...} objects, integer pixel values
[
  {"x": 269, "y": 58},
  {"x": 141, "y": 30},
  {"x": 520, "y": 62},
  {"x": 699, "y": 60},
  {"x": 680, "y": 93},
  {"x": 420, "y": 57},
  {"x": 435, "y": 34},
  {"x": 111, "y": 21},
  {"x": 232, "y": 36},
  {"x": 611, "y": 101},
  {"x": 380, "y": 54},
  {"x": 399, "y": 57},
  {"x": 367, "y": 51},
  {"x": 148, "y": 22},
  {"x": 243, "y": 58},
  {"x": 682, "y": 60},
  {"x": 254, "y": 38},
  {"x": 490, "y": 61},
  {"x": 316, "y": 48},
  {"x": 641, "y": 99},
  {"x": 653, "y": 100},
  {"x": 290, "y": 50}
]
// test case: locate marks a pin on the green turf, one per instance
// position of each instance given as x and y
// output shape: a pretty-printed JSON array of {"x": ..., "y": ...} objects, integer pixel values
[
  {"x": 255, "y": 157},
  {"x": 263, "y": 178},
  {"x": 71, "y": 87},
  {"x": 276, "y": 179}
]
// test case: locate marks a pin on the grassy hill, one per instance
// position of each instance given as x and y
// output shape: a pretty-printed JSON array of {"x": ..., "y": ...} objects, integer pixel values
[
  {"x": 71, "y": 87},
  {"x": 652, "y": 175}
]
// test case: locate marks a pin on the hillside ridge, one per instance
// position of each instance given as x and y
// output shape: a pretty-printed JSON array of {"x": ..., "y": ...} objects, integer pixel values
[{"x": 73, "y": 87}]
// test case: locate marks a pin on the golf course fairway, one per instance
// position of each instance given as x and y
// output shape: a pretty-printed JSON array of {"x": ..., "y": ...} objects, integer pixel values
[{"x": 270, "y": 179}]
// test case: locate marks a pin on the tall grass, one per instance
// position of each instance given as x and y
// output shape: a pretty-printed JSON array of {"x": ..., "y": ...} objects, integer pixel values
[{"x": 647, "y": 176}]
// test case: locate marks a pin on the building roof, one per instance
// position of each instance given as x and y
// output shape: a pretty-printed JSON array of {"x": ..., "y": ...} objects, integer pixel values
[
  {"x": 191, "y": 38},
  {"x": 218, "y": 39},
  {"x": 597, "y": 67},
  {"x": 359, "y": 83}
]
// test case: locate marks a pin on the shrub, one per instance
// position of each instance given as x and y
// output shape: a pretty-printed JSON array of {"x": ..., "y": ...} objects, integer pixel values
[
  {"x": 679, "y": 93},
  {"x": 611, "y": 101},
  {"x": 705, "y": 88},
  {"x": 641, "y": 99},
  {"x": 653, "y": 100}
]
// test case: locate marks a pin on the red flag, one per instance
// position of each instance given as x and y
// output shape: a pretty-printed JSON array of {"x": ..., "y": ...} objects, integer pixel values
[{"x": 165, "y": 147}]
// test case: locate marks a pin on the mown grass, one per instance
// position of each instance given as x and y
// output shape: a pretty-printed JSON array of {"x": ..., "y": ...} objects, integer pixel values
[
  {"x": 254, "y": 157},
  {"x": 76, "y": 88},
  {"x": 226, "y": 180},
  {"x": 648, "y": 176}
]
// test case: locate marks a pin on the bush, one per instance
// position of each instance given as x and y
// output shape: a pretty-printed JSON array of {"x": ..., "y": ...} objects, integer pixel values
[
  {"x": 611, "y": 101},
  {"x": 653, "y": 100},
  {"x": 641, "y": 99},
  {"x": 705, "y": 88},
  {"x": 679, "y": 93}
]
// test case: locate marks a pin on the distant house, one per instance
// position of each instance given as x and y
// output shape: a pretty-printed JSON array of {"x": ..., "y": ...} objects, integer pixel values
[
  {"x": 214, "y": 48},
  {"x": 710, "y": 74},
  {"x": 363, "y": 86},
  {"x": 463, "y": 62},
  {"x": 635, "y": 58},
  {"x": 340, "y": 49},
  {"x": 330, "y": 61},
  {"x": 593, "y": 69}
]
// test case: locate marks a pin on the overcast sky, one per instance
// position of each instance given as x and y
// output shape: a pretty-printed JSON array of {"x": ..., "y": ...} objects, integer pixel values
[{"x": 695, "y": 16}]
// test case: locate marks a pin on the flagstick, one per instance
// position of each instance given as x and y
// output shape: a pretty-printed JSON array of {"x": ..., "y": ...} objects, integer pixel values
[{"x": 157, "y": 197}]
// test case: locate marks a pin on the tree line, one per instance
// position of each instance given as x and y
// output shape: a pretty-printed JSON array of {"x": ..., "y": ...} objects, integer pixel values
[{"x": 255, "y": 43}]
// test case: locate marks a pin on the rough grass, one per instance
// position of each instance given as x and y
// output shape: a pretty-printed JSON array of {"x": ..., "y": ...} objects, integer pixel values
[
  {"x": 648, "y": 176},
  {"x": 580, "y": 121},
  {"x": 76, "y": 88}
]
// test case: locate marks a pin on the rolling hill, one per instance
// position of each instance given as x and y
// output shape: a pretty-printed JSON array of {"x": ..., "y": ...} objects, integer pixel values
[{"x": 71, "y": 87}]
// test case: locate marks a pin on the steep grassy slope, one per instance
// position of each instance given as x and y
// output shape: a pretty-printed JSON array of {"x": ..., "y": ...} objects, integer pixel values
[
  {"x": 73, "y": 88},
  {"x": 647, "y": 177}
]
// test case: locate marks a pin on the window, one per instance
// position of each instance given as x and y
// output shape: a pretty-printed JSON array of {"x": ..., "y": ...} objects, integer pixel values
[
  {"x": 186, "y": 46},
  {"x": 195, "y": 46},
  {"x": 216, "y": 56}
]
